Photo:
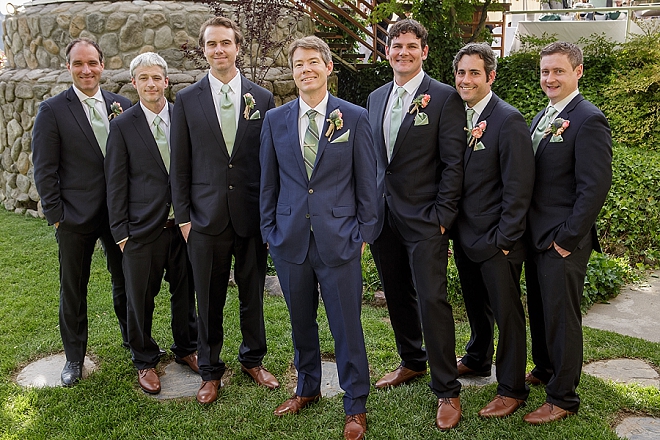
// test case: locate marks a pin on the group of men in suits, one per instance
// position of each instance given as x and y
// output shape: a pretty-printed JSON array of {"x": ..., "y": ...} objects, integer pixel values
[{"x": 222, "y": 174}]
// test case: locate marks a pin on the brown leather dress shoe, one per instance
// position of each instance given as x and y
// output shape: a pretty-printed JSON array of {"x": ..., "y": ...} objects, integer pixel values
[
  {"x": 501, "y": 406},
  {"x": 294, "y": 404},
  {"x": 449, "y": 413},
  {"x": 261, "y": 376},
  {"x": 547, "y": 413},
  {"x": 149, "y": 381},
  {"x": 398, "y": 377},
  {"x": 355, "y": 426},
  {"x": 533, "y": 380},
  {"x": 208, "y": 392},
  {"x": 464, "y": 370},
  {"x": 190, "y": 360}
]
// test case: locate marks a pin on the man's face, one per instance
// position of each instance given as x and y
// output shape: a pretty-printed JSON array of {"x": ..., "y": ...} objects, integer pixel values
[
  {"x": 220, "y": 50},
  {"x": 406, "y": 54},
  {"x": 472, "y": 82},
  {"x": 558, "y": 78},
  {"x": 150, "y": 83},
  {"x": 85, "y": 68},
  {"x": 310, "y": 71}
]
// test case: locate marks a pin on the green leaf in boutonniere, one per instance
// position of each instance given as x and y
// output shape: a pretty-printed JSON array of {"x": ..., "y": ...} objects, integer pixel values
[
  {"x": 336, "y": 123},
  {"x": 556, "y": 128},
  {"x": 475, "y": 135},
  {"x": 115, "y": 110},
  {"x": 250, "y": 102}
]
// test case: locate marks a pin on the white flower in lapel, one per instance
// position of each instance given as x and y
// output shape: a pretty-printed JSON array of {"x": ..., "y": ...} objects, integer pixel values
[
  {"x": 250, "y": 102},
  {"x": 336, "y": 123},
  {"x": 115, "y": 110}
]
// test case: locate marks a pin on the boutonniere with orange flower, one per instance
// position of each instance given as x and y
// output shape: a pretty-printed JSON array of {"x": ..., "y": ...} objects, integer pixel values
[
  {"x": 419, "y": 103},
  {"x": 115, "y": 110},
  {"x": 556, "y": 128},
  {"x": 475, "y": 134},
  {"x": 336, "y": 123},
  {"x": 250, "y": 102}
]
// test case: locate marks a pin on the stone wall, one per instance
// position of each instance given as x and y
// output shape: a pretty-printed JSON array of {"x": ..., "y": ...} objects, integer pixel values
[{"x": 35, "y": 40}]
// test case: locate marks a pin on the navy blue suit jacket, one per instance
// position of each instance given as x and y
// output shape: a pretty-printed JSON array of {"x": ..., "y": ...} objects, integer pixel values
[
  {"x": 498, "y": 183},
  {"x": 68, "y": 162},
  {"x": 139, "y": 194},
  {"x": 422, "y": 182},
  {"x": 572, "y": 179},
  {"x": 338, "y": 201}
]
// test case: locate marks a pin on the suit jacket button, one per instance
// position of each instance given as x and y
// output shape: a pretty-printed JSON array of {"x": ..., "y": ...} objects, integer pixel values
[
  {"x": 388, "y": 172},
  {"x": 231, "y": 186},
  {"x": 311, "y": 191},
  {"x": 231, "y": 165},
  {"x": 306, "y": 215}
]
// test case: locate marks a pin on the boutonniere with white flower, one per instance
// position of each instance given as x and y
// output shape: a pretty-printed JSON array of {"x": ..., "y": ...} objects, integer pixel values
[
  {"x": 115, "y": 110},
  {"x": 556, "y": 128},
  {"x": 250, "y": 102},
  {"x": 419, "y": 103},
  {"x": 336, "y": 123},
  {"x": 475, "y": 134}
]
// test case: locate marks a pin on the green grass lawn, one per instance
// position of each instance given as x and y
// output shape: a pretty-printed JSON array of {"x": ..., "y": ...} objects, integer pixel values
[{"x": 109, "y": 405}]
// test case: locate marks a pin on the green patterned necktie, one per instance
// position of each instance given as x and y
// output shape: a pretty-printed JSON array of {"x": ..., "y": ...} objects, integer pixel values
[
  {"x": 311, "y": 142},
  {"x": 227, "y": 118},
  {"x": 396, "y": 119},
  {"x": 161, "y": 141},
  {"x": 542, "y": 126},
  {"x": 98, "y": 126}
]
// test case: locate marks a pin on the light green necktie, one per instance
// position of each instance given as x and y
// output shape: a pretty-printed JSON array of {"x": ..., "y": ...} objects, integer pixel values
[
  {"x": 470, "y": 125},
  {"x": 227, "y": 118},
  {"x": 98, "y": 127},
  {"x": 161, "y": 141},
  {"x": 542, "y": 126},
  {"x": 311, "y": 142},
  {"x": 396, "y": 119}
]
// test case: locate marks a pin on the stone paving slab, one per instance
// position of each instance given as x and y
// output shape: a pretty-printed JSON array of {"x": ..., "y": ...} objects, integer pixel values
[
  {"x": 634, "y": 312},
  {"x": 625, "y": 371},
  {"x": 46, "y": 372},
  {"x": 478, "y": 381},
  {"x": 329, "y": 379},
  {"x": 178, "y": 381},
  {"x": 639, "y": 428}
]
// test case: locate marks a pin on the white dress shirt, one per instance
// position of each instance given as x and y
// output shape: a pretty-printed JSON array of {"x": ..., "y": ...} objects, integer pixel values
[
  {"x": 99, "y": 105},
  {"x": 303, "y": 120},
  {"x": 234, "y": 94}
]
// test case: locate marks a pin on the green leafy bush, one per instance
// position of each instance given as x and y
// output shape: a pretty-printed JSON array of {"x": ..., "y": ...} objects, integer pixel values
[{"x": 605, "y": 277}]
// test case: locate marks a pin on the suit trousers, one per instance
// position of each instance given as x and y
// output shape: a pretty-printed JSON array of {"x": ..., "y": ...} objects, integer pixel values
[
  {"x": 211, "y": 257},
  {"x": 341, "y": 290},
  {"x": 491, "y": 289},
  {"x": 144, "y": 266},
  {"x": 428, "y": 309},
  {"x": 554, "y": 293},
  {"x": 75, "y": 257}
]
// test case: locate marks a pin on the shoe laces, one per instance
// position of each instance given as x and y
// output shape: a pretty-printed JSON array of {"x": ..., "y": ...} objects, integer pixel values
[{"x": 445, "y": 401}]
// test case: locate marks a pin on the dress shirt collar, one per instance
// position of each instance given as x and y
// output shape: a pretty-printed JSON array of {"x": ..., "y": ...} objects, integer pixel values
[
  {"x": 321, "y": 108},
  {"x": 164, "y": 115},
  {"x": 480, "y": 106},
  {"x": 98, "y": 95},
  {"x": 216, "y": 84},
  {"x": 561, "y": 105},
  {"x": 411, "y": 86}
]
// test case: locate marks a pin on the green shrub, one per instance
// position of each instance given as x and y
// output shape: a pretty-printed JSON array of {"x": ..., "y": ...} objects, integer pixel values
[{"x": 605, "y": 277}]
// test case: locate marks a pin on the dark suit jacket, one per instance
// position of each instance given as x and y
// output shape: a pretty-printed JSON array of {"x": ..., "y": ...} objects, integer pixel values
[
  {"x": 68, "y": 162},
  {"x": 572, "y": 179},
  {"x": 422, "y": 182},
  {"x": 209, "y": 188},
  {"x": 338, "y": 202},
  {"x": 498, "y": 183},
  {"x": 139, "y": 194}
]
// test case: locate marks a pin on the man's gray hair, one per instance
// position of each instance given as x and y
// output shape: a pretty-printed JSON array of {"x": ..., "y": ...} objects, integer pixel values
[{"x": 148, "y": 59}]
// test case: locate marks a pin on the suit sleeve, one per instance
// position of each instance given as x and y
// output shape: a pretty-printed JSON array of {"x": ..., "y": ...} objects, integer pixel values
[
  {"x": 593, "y": 177},
  {"x": 270, "y": 181},
  {"x": 116, "y": 178},
  {"x": 451, "y": 144},
  {"x": 364, "y": 166},
  {"x": 46, "y": 145},
  {"x": 180, "y": 168},
  {"x": 516, "y": 159}
]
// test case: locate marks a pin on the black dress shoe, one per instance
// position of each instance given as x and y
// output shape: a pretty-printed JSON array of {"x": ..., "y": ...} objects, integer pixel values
[{"x": 71, "y": 373}]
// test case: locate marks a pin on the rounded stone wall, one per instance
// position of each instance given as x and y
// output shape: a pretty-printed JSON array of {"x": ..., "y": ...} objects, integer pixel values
[{"x": 35, "y": 40}]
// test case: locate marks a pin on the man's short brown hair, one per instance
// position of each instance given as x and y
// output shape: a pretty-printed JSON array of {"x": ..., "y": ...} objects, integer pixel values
[
  {"x": 573, "y": 52},
  {"x": 311, "y": 42},
  {"x": 83, "y": 41},
  {"x": 405, "y": 26},
  {"x": 224, "y": 22}
]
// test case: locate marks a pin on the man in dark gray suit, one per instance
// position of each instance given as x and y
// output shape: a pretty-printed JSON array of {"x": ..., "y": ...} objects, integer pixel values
[
  {"x": 417, "y": 125},
  {"x": 142, "y": 222},
  {"x": 488, "y": 247},
  {"x": 68, "y": 144},
  {"x": 216, "y": 125},
  {"x": 573, "y": 145}
]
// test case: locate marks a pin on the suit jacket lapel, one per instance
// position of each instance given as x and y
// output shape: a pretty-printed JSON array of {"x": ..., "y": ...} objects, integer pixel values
[
  {"x": 205, "y": 96},
  {"x": 409, "y": 118},
  {"x": 144, "y": 130},
  {"x": 75, "y": 106},
  {"x": 293, "y": 135},
  {"x": 333, "y": 104},
  {"x": 565, "y": 115},
  {"x": 380, "y": 106},
  {"x": 242, "y": 124}
]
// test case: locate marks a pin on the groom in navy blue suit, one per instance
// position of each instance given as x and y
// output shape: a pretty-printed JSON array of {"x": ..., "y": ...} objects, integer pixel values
[{"x": 318, "y": 207}]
